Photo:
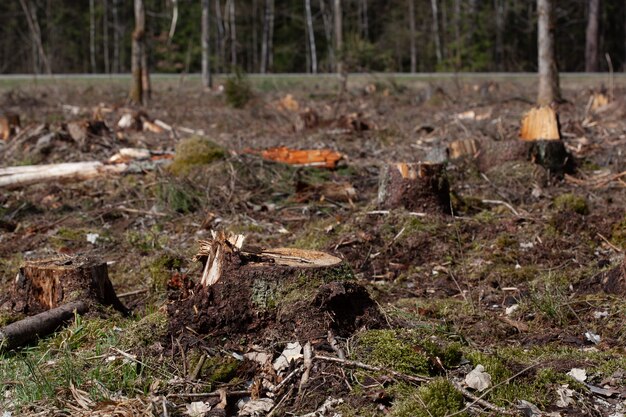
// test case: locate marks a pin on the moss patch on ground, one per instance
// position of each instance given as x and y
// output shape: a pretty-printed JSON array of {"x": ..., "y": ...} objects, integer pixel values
[{"x": 193, "y": 152}]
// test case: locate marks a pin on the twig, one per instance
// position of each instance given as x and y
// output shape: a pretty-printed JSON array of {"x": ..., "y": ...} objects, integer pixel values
[
  {"x": 308, "y": 362},
  {"x": 242, "y": 393},
  {"x": 608, "y": 242},
  {"x": 196, "y": 371},
  {"x": 131, "y": 293},
  {"x": 503, "y": 203}
]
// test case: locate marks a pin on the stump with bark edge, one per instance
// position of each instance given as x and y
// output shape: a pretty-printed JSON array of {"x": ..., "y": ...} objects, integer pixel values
[
  {"x": 421, "y": 186},
  {"x": 271, "y": 294},
  {"x": 49, "y": 283}
]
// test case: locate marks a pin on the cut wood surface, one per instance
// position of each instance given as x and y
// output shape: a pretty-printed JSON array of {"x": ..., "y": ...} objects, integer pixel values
[
  {"x": 421, "y": 186},
  {"x": 307, "y": 292},
  {"x": 540, "y": 123},
  {"x": 32, "y": 174},
  {"x": 463, "y": 148},
  {"x": 9, "y": 124},
  {"x": 310, "y": 157},
  {"x": 22, "y": 332},
  {"x": 48, "y": 283}
]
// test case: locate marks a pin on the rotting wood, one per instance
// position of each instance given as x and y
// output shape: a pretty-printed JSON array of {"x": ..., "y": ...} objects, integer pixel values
[
  {"x": 22, "y": 332},
  {"x": 81, "y": 130},
  {"x": 45, "y": 284},
  {"x": 9, "y": 125},
  {"x": 32, "y": 174},
  {"x": 420, "y": 186},
  {"x": 304, "y": 292}
]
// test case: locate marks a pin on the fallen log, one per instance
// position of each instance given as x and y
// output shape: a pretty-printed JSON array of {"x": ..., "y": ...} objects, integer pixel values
[
  {"x": 273, "y": 293},
  {"x": 421, "y": 186},
  {"x": 29, "y": 329},
  {"x": 49, "y": 283},
  {"x": 32, "y": 174}
]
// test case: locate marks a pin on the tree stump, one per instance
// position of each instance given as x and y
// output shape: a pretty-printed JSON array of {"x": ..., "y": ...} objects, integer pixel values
[
  {"x": 48, "y": 283},
  {"x": 9, "y": 125},
  {"x": 421, "y": 186},
  {"x": 614, "y": 281},
  {"x": 272, "y": 294}
]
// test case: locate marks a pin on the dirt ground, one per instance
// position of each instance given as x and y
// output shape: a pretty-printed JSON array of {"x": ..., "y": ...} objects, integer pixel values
[{"x": 523, "y": 278}]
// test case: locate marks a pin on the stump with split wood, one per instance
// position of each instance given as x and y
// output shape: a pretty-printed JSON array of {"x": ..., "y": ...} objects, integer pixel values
[
  {"x": 421, "y": 187},
  {"x": 270, "y": 294}
]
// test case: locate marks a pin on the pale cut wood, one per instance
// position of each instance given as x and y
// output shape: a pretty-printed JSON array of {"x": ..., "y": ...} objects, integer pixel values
[
  {"x": 33, "y": 174},
  {"x": 462, "y": 148},
  {"x": 540, "y": 123}
]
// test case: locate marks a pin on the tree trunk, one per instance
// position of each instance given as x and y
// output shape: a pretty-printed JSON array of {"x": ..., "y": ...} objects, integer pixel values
[
  {"x": 233, "y": 35},
  {"x": 105, "y": 35},
  {"x": 220, "y": 36},
  {"x": 116, "y": 37},
  {"x": 255, "y": 35},
  {"x": 328, "y": 32},
  {"x": 268, "y": 32},
  {"x": 311, "y": 33},
  {"x": 206, "y": 45},
  {"x": 339, "y": 35},
  {"x": 270, "y": 40},
  {"x": 136, "y": 92},
  {"x": 436, "y": 32},
  {"x": 33, "y": 24},
  {"x": 174, "y": 22},
  {"x": 457, "y": 34},
  {"x": 92, "y": 36},
  {"x": 412, "y": 35},
  {"x": 499, "y": 11},
  {"x": 591, "y": 40},
  {"x": 549, "y": 90},
  {"x": 419, "y": 187},
  {"x": 292, "y": 293}
]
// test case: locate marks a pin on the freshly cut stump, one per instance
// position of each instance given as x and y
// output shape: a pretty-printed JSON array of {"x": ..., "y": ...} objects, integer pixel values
[
  {"x": 48, "y": 283},
  {"x": 420, "y": 186},
  {"x": 271, "y": 294}
]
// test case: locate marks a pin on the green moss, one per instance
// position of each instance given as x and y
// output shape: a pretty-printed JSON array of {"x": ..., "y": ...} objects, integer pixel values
[
  {"x": 394, "y": 349},
  {"x": 618, "y": 234},
  {"x": 146, "y": 331},
  {"x": 161, "y": 268},
  {"x": 195, "y": 151},
  {"x": 306, "y": 285},
  {"x": 178, "y": 197},
  {"x": 438, "y": 398},
  {"x": 220, "y": 368},
  {"x": 571, "y": 202}
]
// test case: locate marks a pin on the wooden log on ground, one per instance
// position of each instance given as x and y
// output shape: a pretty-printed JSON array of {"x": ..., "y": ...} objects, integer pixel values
[
  {"x": 72, "y": 171},
  {"x": 277, "y": 293},
  {"x": 49, "y": 283},
  {"x": 22, "y": 332},
  {"x": 421, "y": 187}
]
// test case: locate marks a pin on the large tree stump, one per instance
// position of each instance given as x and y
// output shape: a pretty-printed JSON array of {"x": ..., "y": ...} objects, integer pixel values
[
  {"x": 278, "y": 293},
  {"x": 419, "y": 187},
  {"x": 48, "y": 283}
]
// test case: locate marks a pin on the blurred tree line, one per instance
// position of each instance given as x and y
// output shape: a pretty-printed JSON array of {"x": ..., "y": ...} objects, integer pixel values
[{"x": 94, "y": 36}]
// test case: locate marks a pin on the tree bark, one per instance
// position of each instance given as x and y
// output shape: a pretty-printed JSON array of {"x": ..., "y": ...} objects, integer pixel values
[
  {"x": 136, "y": 93},
  {"x": 419, "y": 187},
  {"x": 311, "y": 33},
  {"x": 33, "y": 25},
  {"x": 591, "y": 38},
  {"x": 436, "y": 32},
  {"x": 268, "y": 32},
  {"x": 328, "y": 32},
  {"x": 174, "y": 22},
  {"x": 207, "y": 82},
  {"x": 116, "y": 37},
  {"x": 549, "y": 90},
  {"x": 22, "y": 332},
  {"x": 105, "y": 35},
  {"x": 219, "y": 40},
  {"x": 233, "y": 34},
  {"x": 412, "y": 35},
  {"x": 92, "y": 36},
  {"x": 255, "y": 35},
  {"x": 500, "y": 12},
  {"x": 457, "y": 34},
  {"x": 338, "y": 20}
]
